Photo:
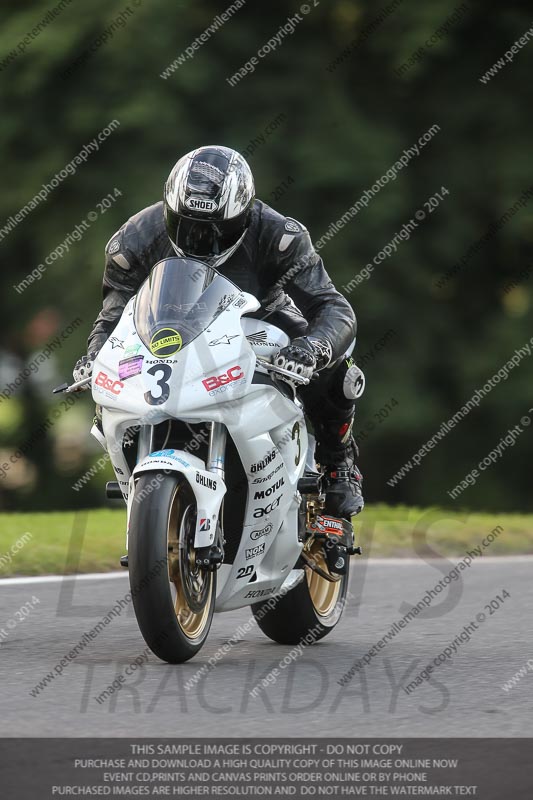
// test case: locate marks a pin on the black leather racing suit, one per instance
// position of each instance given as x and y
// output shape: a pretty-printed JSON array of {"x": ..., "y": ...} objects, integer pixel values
[{"x": 278, "y": 264}]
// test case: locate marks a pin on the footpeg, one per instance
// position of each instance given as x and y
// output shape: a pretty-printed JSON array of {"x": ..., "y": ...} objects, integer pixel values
[
  {"x": 312, "y": 483},
  {"x": 124, "y": 561},
  {"x": 112, "y": 490}
]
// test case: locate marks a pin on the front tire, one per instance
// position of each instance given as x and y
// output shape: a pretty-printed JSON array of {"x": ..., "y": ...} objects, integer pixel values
[
  {"x": 312, "y": 609},
  {"x": 173, "y": 599}
]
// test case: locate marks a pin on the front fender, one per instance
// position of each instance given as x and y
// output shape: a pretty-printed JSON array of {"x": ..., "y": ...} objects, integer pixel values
[{"x": 209, "y": 489}]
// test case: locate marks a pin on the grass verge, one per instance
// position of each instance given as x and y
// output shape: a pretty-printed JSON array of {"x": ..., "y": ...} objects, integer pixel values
[{"x": 93, "y": 541}]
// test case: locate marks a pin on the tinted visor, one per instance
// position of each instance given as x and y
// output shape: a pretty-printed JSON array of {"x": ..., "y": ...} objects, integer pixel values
[{"x": 202, "y": 238}]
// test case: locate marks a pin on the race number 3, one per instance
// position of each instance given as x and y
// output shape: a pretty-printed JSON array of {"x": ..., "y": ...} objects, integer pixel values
[{"x": 162, "y": 382}]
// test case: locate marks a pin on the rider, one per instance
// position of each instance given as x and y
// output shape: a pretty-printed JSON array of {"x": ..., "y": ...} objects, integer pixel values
[{"x": 210, "y": 213}]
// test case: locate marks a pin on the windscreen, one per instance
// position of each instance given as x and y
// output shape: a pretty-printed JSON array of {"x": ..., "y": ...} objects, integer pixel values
[{"x": 177, "y": 302}]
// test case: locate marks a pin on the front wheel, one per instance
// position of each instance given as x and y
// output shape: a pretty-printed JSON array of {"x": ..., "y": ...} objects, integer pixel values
[
  {"x": 309, "y": 611},
  {"x": 173, "y": 598}
]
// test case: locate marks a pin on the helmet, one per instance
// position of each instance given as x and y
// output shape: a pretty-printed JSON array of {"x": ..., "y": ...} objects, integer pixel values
[{"x": 208, "y": 200}]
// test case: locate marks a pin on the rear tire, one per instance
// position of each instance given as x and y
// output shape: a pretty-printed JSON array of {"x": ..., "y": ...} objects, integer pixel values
[
  {"x": 173, "y": 599},
  {"x": 313, "y": 607}
]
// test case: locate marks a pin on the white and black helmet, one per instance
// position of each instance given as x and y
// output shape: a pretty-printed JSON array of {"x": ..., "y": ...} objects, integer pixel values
[{"x": 208, "y": 200}]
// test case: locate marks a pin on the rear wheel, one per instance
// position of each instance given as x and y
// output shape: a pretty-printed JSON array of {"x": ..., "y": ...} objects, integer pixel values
[
  {"x": 312, "y": 609},
  {"x": 173, "y": 598}
]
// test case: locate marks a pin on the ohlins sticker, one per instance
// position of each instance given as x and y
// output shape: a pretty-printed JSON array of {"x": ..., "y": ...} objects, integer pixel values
[
  {"x": 261, "y": 512},
  {"x": 103, "y": 381},
  {"x": 263, "y": 532},
  {"x": 252, "y": 552},
  {"x": 264, "y": 462},
  {"x": 262, "y": 493},
  {"x": 210, "y": 483},
  {"x": 165, "y": 342},
  {"x": 217, "y": 381}
]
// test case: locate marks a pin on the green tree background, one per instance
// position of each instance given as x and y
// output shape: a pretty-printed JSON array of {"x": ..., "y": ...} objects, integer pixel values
[{"x": 342, "y": 121}]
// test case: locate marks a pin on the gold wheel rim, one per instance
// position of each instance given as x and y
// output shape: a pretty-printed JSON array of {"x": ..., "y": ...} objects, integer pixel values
[
  {"x": 324, "y": 594},
  {"x": 192, "y": 623}
]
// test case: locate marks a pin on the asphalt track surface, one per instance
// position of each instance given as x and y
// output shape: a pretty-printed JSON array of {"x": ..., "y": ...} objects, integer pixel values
[{"x": 464, "y": 697}]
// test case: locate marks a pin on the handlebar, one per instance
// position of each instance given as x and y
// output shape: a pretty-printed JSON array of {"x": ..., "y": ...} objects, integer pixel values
[
  {"x": 74, "y": 387},
  {"x": 284, "y": 373}
]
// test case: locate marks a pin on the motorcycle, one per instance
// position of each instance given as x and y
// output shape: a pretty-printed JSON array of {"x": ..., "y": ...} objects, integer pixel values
[{"x": 208, "y": 441}]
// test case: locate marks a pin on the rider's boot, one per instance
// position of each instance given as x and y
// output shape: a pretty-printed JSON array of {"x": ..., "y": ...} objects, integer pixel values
[{"x": 336, "y": 452}]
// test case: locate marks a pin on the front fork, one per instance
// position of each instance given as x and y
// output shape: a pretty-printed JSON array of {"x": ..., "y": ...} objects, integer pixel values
[
  {"x": 210, "y": 558},
  {"x": 216, "y": 452}
]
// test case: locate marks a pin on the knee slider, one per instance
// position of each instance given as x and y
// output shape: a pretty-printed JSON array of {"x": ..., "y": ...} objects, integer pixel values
[{"x": 354, "y": 382}]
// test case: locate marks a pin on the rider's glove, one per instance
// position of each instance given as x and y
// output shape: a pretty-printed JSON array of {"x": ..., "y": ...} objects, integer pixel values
[
  {"x": 83, "y": 369},
  {"x": 304, "y": 355}
]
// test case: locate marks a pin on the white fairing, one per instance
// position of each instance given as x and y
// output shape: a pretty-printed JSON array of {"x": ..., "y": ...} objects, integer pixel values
[{"x": 214, "y": 378}]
